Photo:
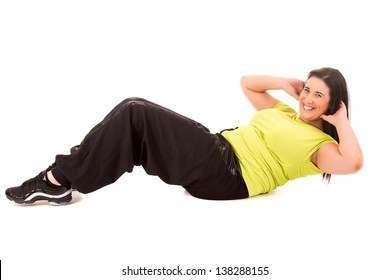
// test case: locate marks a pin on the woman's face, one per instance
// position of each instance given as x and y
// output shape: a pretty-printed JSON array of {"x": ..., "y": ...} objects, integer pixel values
[{"x": 314, "y": 101}]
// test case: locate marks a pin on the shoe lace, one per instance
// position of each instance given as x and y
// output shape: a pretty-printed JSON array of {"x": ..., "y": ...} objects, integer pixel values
[
  {"x": 33, "y": 181},
  {"x": 29, "y": 185}
]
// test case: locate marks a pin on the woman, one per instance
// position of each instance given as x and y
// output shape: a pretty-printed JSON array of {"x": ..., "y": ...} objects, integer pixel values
[{"x": 277, "y": 146}]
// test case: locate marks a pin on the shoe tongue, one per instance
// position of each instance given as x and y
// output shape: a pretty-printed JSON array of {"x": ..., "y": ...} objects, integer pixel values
[{"x": 44, "y": 178}]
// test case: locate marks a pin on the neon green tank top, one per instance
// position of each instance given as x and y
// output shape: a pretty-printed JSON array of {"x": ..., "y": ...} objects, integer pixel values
[{"x": 275, "y": 147}]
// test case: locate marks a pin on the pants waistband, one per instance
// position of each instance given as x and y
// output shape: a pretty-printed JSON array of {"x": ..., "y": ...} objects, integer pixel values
[{"x": 228, "y": 154}]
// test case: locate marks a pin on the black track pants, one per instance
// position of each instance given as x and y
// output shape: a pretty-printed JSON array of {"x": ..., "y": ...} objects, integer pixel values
[{"x": 177, "y": 149}]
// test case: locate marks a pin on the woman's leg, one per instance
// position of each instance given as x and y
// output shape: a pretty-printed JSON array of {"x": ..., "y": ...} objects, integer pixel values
[
  {"x": 135, "y": 132},
  {"x": 138, "y": 132}
]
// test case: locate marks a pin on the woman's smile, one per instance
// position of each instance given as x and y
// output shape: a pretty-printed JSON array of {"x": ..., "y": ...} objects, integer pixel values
[{"x": 314, "y": 101}]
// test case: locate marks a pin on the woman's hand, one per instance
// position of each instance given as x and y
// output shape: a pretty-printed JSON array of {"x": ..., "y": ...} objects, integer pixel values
[
  {"x": 294, "y": 87},
  {"x": 347, "y": 156},
  {"x": 338, "y": 117}
]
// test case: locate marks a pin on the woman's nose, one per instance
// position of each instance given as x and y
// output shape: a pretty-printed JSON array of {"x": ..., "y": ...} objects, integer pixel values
[{"x": 309, "y": 99}]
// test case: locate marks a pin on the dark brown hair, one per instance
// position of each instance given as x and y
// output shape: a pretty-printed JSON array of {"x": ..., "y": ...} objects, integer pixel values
[{"x": 338, "y": 91}]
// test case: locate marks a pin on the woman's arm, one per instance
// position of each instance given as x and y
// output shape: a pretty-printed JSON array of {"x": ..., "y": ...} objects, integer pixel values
[
  {"x": 255, "y": 88},
  {"x": 345, "y": 158}
]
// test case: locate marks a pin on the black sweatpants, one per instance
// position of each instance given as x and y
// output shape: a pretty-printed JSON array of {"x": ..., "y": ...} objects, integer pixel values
[{"x": 177, "y": 149}]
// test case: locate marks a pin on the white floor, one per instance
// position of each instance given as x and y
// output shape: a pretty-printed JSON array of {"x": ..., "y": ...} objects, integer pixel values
[
  {"x": 63, "y": 67},
  {"x": 305, "y": 230}
]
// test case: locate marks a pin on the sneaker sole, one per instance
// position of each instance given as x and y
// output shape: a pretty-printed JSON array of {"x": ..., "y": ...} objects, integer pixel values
[{"x": 61, "y": 199}]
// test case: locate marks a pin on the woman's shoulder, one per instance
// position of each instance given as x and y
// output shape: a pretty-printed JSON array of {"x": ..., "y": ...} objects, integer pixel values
[{"x": 281, "y": 106}]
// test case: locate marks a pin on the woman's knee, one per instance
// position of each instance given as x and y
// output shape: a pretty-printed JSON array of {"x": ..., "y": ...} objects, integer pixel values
[
  {"x": 126, "y": 105},
  {"x": 133, "y": 104},
  {"x": 134, "y": 101}
]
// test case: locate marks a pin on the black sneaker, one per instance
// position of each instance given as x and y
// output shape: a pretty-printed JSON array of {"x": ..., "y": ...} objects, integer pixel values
[{"x": 38, "y": 188}]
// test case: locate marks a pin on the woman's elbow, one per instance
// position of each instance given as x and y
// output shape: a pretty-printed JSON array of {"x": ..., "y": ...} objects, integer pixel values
[
  {"x": 357, "y": 165},
  {"x": 243, "y": 83}
]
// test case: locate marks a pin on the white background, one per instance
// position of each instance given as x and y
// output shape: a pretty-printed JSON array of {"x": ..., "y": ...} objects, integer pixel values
[{"x": 65, "y": 64}]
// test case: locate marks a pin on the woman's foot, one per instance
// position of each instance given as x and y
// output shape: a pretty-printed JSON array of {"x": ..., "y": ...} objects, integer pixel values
[{"x": 40, "y": 188}]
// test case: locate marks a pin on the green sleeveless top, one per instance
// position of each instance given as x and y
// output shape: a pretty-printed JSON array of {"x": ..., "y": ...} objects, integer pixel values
[{"x": 275, "y": 147}]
